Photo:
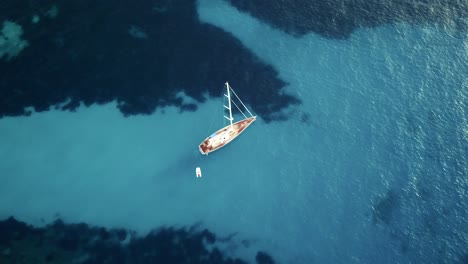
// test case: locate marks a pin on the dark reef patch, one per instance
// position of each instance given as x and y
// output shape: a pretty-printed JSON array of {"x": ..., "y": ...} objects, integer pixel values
[
  {"x": 11, "y": 229},
  {"x": 464, "y": 259},
  {"x": 339, "y": 18},
  {"x": 263, "y": 258},
  {"x": 140, "y": 54},
  {"x": 80, "y": 243},
  {"x": 385, "y": 207}
]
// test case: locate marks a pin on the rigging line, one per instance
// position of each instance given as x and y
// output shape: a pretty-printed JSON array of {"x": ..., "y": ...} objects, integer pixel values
[
  {"x": 241, "y": 101},
  {"x": 239, "y": 109}
]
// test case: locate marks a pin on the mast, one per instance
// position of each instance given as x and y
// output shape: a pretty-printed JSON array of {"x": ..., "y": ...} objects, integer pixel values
[{"x": 229, "y": 104}]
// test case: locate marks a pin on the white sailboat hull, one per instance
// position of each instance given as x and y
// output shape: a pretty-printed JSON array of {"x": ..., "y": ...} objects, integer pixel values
[{"x": 225, "y": 135}]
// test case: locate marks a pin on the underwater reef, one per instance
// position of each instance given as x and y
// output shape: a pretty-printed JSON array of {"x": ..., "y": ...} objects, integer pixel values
[{"x": 83, "y": 244}]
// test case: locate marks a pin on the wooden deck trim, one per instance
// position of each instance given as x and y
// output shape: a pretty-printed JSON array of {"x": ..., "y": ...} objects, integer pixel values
[{"x": 207, "y": 146}]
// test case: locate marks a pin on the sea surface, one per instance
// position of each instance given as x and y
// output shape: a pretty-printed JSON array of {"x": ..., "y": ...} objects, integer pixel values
[{"x": 359, "y": 153}]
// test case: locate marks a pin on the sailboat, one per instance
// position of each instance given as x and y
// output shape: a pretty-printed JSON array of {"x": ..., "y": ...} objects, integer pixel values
[{"x": 228, "y": 133}]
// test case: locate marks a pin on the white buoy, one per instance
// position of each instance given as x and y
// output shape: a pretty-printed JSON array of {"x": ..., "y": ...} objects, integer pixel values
[{"x": 198, "y": 172}]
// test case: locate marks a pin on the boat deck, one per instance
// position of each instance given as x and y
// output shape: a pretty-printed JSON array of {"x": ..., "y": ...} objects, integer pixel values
[{"x": 225, "y": 135}]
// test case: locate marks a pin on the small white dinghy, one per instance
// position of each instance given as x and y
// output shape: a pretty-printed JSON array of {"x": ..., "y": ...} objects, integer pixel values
[{"x": 198, "y": 172}]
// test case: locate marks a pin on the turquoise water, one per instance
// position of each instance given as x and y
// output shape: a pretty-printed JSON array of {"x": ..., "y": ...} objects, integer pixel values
[
  {"x": 370, "y": 167},
  {"x": 377, "y": 171}
]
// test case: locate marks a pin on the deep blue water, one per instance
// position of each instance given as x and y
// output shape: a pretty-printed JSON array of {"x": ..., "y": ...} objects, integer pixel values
[{"x": 361, "y": 154}]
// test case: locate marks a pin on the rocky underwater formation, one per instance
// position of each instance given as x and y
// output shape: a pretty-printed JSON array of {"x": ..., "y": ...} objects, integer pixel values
[{"x": 83, "y": 244}]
